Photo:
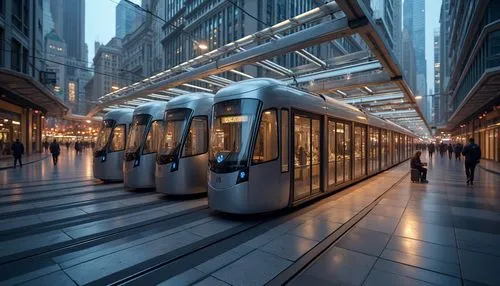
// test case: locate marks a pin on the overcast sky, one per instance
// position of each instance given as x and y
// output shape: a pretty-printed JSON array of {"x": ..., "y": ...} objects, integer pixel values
[{"x": 100, "y": 26}]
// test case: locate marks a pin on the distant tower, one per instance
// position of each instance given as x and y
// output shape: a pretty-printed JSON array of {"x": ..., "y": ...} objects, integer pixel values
[
  {"x": 74, "y": 27},
  {"x": 414, "y": 23},
  {"x": 128, "y": 18}
]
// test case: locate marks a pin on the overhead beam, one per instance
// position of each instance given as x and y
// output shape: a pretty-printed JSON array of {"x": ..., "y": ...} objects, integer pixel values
[
  {"x": 368, "y": 99},
  {"x": 357, "y": 68},
  {"x": 320, "y": 33}
]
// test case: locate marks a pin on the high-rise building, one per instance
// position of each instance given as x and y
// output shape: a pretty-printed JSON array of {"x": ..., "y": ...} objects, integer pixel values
[
  {"x": 137, "y": 58},
  {"x": 387, "y": 14},
  {"x": 23, "y": 99},
  {"x": 444, "y": 71},
  {"x": 473, "y": 64},
  {"x": 437, "y": 78},
  {"x": 48, "y": 21},
  {"x": 414, "y": 23},
  {"x": 57, "y": 13},
  {"x": 128, "y": 18},
  {"x": 56, "y": 53},
  {"x": 74, "y": 28},
  {"x": 215, "y": 23},
  {"x": 107, "y": 64},
  {"x": 409, "y": 62},
  {"x": 67, "y": 22}
]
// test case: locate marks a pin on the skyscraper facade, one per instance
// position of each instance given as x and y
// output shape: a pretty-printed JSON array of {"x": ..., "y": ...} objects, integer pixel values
[
  {"x": 387, "y": 13},
  {"x": 74, "y": 28},
  {"x": 414, "y": 23},
  {"x": 22, "y": 66},
  {"x": 444, "y": 70},
  {"x": 107, "y": 64},
  {"x": 473, "y": 65},
  {"x": 215, "y": 23},
  {"x": 437, "y": 78},
  {"x": 127, "y": 19}
]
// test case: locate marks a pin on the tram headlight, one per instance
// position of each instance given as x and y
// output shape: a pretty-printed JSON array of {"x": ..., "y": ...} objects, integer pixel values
[
  {"x": 174, "y": 167},
  {"x": 242, "y": 176}
]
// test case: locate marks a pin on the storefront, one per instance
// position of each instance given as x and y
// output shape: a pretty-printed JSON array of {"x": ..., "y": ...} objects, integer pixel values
[
  {"x": 23, "y": 104},
  {"x": 485, "y": 130}
]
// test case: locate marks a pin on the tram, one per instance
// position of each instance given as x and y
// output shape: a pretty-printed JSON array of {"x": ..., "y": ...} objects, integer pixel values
[
  {"x": 110, "y": 145},
  {"x": 273, "y": 146},
  {"x": 182, "y": 158},
  {"x": 143, "y": 139}
]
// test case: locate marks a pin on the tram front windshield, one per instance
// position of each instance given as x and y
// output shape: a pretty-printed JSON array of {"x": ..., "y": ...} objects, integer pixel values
[
  {"x": 230, "y": 135},
  {"x": 174, "y": 128},
  {"x": 137, "y": 132},
  {"x": 104, "y": 134}
]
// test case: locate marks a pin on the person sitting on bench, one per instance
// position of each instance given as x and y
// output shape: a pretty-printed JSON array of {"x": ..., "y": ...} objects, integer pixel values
[{"x": 417, "y": 164}]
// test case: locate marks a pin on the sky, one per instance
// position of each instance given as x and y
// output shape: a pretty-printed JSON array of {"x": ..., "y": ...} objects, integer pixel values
[
  {"x": 100, "y": 26},
  {"x": 100, "y": 22}
]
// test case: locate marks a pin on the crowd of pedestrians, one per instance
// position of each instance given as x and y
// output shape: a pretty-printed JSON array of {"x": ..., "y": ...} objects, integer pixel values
[{"x": 471, "y": 152}]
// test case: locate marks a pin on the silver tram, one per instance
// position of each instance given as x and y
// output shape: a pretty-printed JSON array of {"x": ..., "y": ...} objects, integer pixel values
[
  {"x": 110, "y": 144},
  {"x": 182, "y": 159},
  {"x": 273, "y": 146},
  {"x": 143, "y": 139}
]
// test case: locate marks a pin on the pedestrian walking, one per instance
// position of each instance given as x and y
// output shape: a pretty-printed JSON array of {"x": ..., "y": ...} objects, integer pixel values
[
  {"x": 67, "y": 145},
  {"x": 458, "y": 151},
  {"x": 472, "y": 153},
  {"x": 46, "y": 145},
  {"x": 432, "y": 149},
  {"x": 55, "y": 150},
  {"x": 17, "y": 151},
  {"x": 442, "y": 149},
  {"x": 450, "y": 151}
]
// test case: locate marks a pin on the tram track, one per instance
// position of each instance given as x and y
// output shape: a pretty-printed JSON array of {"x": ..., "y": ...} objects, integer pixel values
[
  {"x": 195, "y": 255},
  {"x": 38, "y": 183},
  {"x": 101, "y": 237},
  {"x": 160, "y": 266}
]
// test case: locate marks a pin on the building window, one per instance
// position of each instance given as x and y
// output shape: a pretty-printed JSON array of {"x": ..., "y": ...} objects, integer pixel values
[
  {"x": 71, "y": 92},
  {"x": 15, "y": 55}
]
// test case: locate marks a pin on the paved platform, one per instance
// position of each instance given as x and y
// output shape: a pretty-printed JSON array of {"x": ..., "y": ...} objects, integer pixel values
[
  {"x": 59, "y": 226},
  {"x": 7, "y": 162}
]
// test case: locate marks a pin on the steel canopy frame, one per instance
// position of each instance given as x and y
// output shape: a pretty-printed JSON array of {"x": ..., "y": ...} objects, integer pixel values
[
  {"x": 374, "y": 73},
  {"x": 320, "y": 33}
]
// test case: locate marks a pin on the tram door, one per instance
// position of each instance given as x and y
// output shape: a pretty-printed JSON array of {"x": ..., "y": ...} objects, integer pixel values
[{"x": 307, "y": 156}]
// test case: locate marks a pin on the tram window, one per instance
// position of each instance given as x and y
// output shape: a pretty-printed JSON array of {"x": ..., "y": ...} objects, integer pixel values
[
  {"x": 196, "y": 140},
  {"x": 331, "y": 153},
  {"x": 266, "y": 146},
  {"x": 359, "y": 151},
  {"x": 118, "y": 141},
  {"x": 340, "y": 152},
  {"x": 375, "y": 147},
  {"x": 383, "y": 149},
  {"x": 302, "y": 155},
  {"x": 347, "y": 152},
  {"x": 153, "y": 138},
  {"x": 316, "y": 154},
  {"x": 284, "y": 140}
]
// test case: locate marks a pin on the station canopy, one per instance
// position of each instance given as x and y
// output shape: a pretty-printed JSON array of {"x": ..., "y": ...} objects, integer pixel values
[{"x": 367, "y": 75}]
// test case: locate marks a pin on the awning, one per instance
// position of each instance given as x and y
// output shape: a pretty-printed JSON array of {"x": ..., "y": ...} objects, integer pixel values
[{"x": 33, "y": 91}]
